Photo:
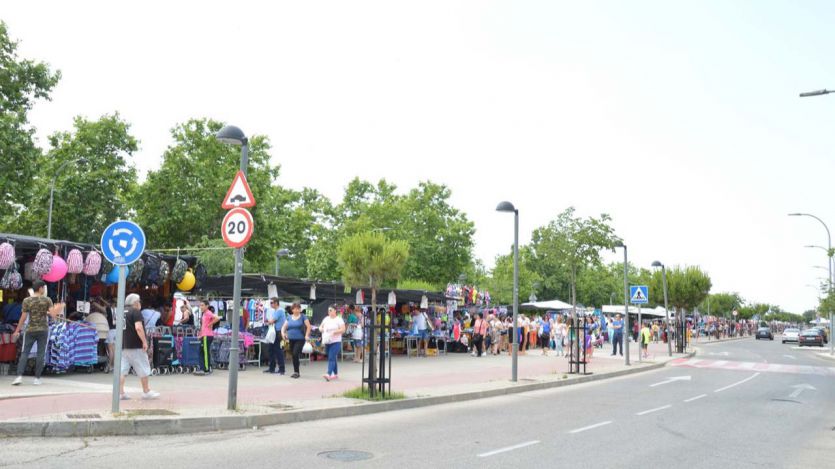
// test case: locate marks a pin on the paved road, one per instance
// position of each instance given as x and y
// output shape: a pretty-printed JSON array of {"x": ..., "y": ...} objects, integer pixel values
[{"x": 739, "y": 404}]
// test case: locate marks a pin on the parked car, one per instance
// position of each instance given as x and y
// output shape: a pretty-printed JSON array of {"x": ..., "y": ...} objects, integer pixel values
[
  {"x": 811, "y": 337},
  {"x": 823, "y": 333},
  {"x": 790, "y": 335},
  {"x": 764, "y": 333}
]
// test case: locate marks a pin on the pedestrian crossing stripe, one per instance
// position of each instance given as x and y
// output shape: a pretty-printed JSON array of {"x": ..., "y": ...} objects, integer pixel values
[{"x": 753, "y": 366}]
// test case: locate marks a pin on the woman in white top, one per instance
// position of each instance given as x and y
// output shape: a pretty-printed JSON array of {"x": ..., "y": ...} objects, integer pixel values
[
  {"x": 332, "y": 328},
  {"x": 357, "y": 336}
]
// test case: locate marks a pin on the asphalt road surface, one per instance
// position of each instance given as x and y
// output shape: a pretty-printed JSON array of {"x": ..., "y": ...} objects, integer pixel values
[{"x": 738, "y": 404}]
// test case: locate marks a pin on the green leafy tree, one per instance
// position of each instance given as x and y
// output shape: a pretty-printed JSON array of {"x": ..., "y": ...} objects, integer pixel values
[
  {"x": 179, "y": 203},
  {"x": 88, "y": 195},
  {"x": 566, "y": 246},
  {"x": 809, "y": 315},
  {"x": 721, "y": 304},
  {"x": 687, "y": 287},
  {"x": 748, "y": 311},
  {"x": 500, "y": 284},
  {"x": 370, "y": 259},
  {"x": 22, "y": 83}
]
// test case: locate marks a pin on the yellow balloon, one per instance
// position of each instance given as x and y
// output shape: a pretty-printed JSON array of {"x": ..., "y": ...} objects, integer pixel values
[{"x": 188, "y": 282}]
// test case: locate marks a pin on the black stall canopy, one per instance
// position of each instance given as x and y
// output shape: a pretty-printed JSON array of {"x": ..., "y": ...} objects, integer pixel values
[{"x": 257, "y": 285}]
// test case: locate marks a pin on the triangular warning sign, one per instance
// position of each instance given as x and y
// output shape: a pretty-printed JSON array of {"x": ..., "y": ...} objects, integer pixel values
[
  {"x": 239, "y": 194},
  {"x": 639, "y": 295}
]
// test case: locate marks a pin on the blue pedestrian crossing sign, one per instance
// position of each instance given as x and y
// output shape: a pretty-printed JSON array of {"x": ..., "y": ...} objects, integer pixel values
[
  {"x": 639, "y": 294},
  {"x": 123, "y": 242}
]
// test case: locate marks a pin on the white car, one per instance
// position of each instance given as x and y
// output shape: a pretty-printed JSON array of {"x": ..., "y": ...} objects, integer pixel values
[{"x": 791, "y": 335}]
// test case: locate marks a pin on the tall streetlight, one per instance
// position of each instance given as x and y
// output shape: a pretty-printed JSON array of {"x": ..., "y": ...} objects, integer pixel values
[
  {"x": 508, "y": 207},
  {"x": 232, "y": 135},
  {"x": 81, "y": 160},
  {"x": 278, "y": 255},
  {"x": 626, "y": 329},
  {"x": 666, "y": 307},
  {"x": 816, "y": 93},
  {"x": 828, "y": 245}
]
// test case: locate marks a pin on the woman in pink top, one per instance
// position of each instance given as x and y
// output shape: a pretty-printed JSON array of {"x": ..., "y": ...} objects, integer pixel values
[
  {"x": 479, "y": 332},
  {"x": 207, "y": 334}
]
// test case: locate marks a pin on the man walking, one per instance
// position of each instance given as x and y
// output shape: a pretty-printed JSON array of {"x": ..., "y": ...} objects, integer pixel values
[
  {"x": 36, "y": 308},
  {"x": 617, "y": 336},
  {"x": 207, "y": 334},
  {"x": 276, "y": 318},
  {"x": 135, "y": 348}
]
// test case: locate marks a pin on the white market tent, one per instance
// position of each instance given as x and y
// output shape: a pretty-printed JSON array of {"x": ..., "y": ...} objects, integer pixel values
[
  {"x": 658, "y": 312},
  {"x": 552, "y": 304}
]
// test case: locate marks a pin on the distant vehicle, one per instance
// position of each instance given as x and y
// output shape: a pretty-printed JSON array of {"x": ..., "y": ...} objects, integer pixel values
[
  {"x": 764, "y": 333},
  {"x": 790, "y": 335},
  {"x": 811, "y": 337}
]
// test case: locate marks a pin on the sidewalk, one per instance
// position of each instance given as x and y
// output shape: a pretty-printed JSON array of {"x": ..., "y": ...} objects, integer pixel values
[{"x": 195, "y": 403}]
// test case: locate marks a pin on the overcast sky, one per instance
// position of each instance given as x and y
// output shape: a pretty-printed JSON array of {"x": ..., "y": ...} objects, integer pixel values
[{"x": 682, "y": 121}]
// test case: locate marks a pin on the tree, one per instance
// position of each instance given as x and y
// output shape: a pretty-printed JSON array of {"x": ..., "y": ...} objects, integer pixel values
[
  {"x": 371, "y": 259},
  {"x": 568, "y": 245},
  {"x": 500, "y": 284},
  {"x": 88, "y": 195},
  {"x": 22, "y": 82},
  {"x": 809, "y": 315},
  {"x": 748, "y": 311},
  {"x": 179, "y": 203},
  {"x": 721, "y": 304},
  {"x": 686, "y": 287}
]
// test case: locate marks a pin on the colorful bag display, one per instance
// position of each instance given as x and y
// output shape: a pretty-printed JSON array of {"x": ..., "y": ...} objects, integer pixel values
[
  {"x": 43, "y": 262},
  {"x": 179, "y": 272},
  {"x": 164, "y": 273},
  {"x": 92, "y": 265},
  {"x": 75, "y": 262},
  {"x": 11, "y": 279},
  {"x": 7, "y": 255}
]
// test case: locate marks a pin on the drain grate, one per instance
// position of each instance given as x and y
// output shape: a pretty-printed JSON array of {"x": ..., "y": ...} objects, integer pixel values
[
  {"x": 83, "y": 416},
  {"x": 146, "y": 412},
  {"x": 346, "y": 455}
]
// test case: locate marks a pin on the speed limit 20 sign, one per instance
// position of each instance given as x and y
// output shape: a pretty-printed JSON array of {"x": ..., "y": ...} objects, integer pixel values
[{"x": 237, "y": 227}]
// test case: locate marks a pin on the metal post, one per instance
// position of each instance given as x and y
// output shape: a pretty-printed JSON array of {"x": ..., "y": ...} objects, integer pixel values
[
  {"x": 120, "y": 327},
  {"x": 276, "y": 264},
  {"x": 515, "y": 347},
  {"x": 667, "y": 311},
  {"x": 626, "y": 330},
  {"x": 49, "y": 217},
  {"x": 234, "y": 355}
]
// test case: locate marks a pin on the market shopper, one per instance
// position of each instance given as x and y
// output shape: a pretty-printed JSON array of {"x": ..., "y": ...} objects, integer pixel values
[
  {"x": 297, "y": 331},
  {"x": 617, "y": 335},
  {"x": 105, "y": 308},
  {"x": 646, "y": 337},
  {"x": 357, "y": 336},
  {"x": 479, "y": 333},
  {"x": 420, "y": 322},
  {"x": 496, "y": 329},
  {"x": 332, "y": 328},
  {"x": 135, "y": 349},
  {"x": 207, "y": 333},
  {"x": 276, "y": 318},
  {"x": 37, "y": 307}
]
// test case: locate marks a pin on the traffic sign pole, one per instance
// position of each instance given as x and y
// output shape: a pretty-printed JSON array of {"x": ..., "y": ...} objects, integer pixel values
[
  {"x": 232, "y": 395},
  {"x": 120, "y": 327},
  {"x": 640, "y": 339}
]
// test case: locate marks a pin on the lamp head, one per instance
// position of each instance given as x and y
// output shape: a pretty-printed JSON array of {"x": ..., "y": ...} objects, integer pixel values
[
  {"x": 657, "y": 264},
  {"x": 505, "y": 207},
  {"x": 619, "y": 244},
  {"x": 231, "y": 135},
  {"x": 283, "y": 253}
]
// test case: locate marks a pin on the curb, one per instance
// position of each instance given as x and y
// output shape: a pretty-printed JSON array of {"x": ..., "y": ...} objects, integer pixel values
[{"x": 94, "y": 428}]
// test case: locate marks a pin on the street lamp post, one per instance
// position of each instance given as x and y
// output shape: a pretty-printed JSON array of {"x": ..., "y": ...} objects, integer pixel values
[
  {"x": 626, "y": 329},
  {"x": 666, "y": 306},
  {"x": 52, "y": 193},
  {"x": 278, "y": 255},
  {"x": 508, "y": 207},
  {"x": 828, "y": 245},
  {"x": 816, "y": 93},
  {"x": 234, "y": 136}
]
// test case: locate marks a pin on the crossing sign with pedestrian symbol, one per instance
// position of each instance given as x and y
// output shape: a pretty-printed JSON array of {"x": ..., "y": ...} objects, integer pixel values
[{"x": 639, "y": 294}]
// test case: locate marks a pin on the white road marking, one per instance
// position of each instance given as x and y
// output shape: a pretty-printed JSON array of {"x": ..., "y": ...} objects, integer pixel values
[
  {"x": 670, "y": 380},
  {"x": 509, "y": 448},
  {"x": 591, "y": 427},
  {"x": 738, "y": 383},
  {"x": 695, "y": 398},
  {"x": 654, "y": 410},
  {"x": 790, "y": 356},
  {"x": 799, "y": 388},
  {"x": 719, "y": 363}
]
